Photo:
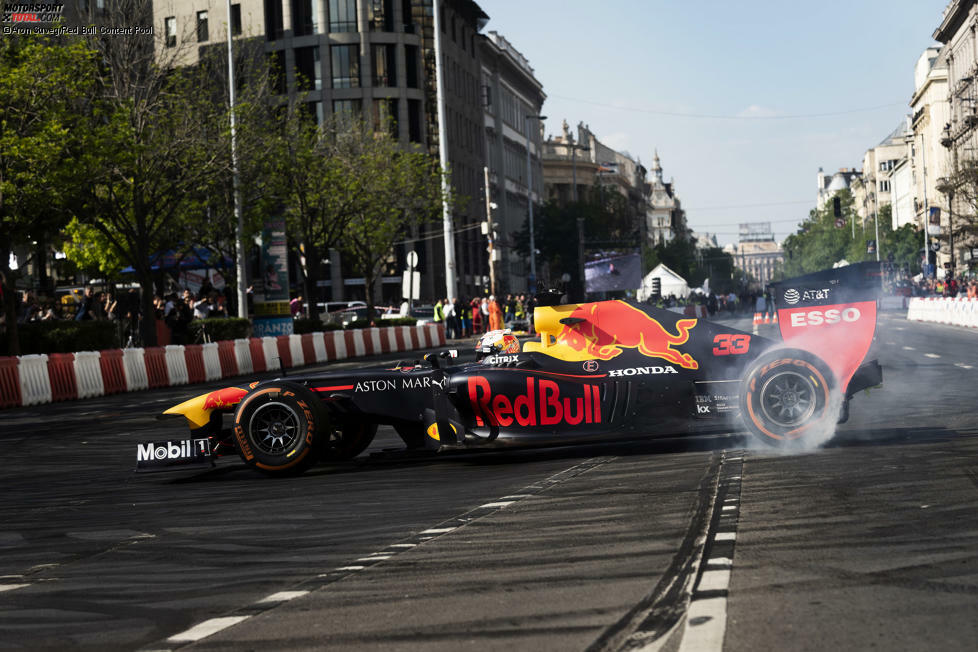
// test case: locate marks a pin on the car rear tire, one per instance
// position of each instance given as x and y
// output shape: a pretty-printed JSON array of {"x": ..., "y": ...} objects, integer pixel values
[
  {"x": 786, "y": 399},
  {"x": 279, "y": 428},
  {"x": 348, "y": 441}
]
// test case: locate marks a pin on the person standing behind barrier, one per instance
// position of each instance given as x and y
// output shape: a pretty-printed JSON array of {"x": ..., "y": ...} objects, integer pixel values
[
  {"x": 495, "y": 314},
  {"x": 448, "y": 311},
  {"x": 474, "y": 306},
  {"x": 458, "y": 315},
  {"x": 439, "y": 316},
  {"x": 761, "y": 304},
  {"x": 465, "y": 308},
  {"x": 85, "y": 305}
]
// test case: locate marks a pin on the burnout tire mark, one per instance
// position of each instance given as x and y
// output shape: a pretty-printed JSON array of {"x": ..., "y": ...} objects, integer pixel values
[{"x": 658, "y": 612}]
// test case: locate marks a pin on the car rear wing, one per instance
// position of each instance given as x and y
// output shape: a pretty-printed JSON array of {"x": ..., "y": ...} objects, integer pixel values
[{"x": 832, "y": 314}]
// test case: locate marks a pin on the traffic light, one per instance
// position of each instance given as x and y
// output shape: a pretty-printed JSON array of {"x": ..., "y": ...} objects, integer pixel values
[{"x": 836, "y": 207}]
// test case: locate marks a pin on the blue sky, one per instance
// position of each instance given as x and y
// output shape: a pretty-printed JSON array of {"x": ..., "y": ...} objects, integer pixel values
[{"x": 621, "y": 65}]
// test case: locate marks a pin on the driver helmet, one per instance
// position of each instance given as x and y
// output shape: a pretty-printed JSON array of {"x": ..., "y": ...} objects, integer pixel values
[{"x": 494, "y": 342}]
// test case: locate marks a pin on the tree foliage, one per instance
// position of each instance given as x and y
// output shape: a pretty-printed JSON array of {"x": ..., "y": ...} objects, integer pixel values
[
  {"x": 825, "y": 239},
  {"x": 43, "y": 90},
  {"x": 151, "y": 153},
  {"x": 399, "y": 189}
]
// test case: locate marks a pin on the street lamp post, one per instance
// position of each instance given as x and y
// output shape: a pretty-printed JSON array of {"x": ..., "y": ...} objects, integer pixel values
[
  {"x": 529, "y": 200},
  {"x": 950, "y": 226},
  {"x": 239, "y": 244},
  {"x": 946, "y": 186}
]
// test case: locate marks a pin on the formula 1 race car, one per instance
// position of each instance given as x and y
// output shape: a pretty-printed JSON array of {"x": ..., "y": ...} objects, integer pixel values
[{"x": 599, "y": 371}]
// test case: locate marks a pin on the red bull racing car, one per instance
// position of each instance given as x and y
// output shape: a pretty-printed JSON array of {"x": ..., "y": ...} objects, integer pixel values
[{"x": 601, "y": 370}]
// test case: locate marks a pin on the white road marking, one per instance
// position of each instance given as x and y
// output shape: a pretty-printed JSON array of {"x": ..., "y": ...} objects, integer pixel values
[
  {"x": 283, "y": 596},
  {"x": 725, "y": 536},
  {"x": 715, "y": 580},
  {"x": 11, "y": 587},
  {"x": 349, "y": 568},
  {"x": 909, "y": 348},
  {"x": 502, "y": 503},
  {"x": 726, "y": 507},
  {"x": 706, "y": 624},
  {"x": 374, "y": 558},
  {"x": 963, "y": 366},
  {"x": 719, "y": 561},
  {"x": 932, "y": 355},
  {"x": 517, "y": 496},
  {"x": 439, "y": 530},
  {"x": 404, "y": 545},
  {"x": 205, "y": 629}
]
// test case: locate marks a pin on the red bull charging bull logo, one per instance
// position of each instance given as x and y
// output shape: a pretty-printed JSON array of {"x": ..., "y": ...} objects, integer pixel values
[{"x": 602, "y": 330}]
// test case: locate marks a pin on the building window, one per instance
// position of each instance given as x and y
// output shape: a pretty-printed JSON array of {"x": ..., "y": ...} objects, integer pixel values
[
  {"x": 384, "y": 67},
  {"x": 236, "y": 20},
  {"x": 407, "y": 15},
  {"x": 884, "y": 185},
  {"x": 381, "y": 15},
  {"x": 411, "y": 65},
  {"x": 170, "y": 27},
  {"x": 385, "y": 116},
  {"x": 276, "y": 70},
  {"x": 414, "y": 121},
  {"x": 308, "y": 71},
  {"x": 304, "y": 17},
  {"x": 345, "y": 66},
  {"x": 274, "y": 27},
  {"x": 345, "y": 113},
  {"x": 343, "y": 15},
  {"x": 201, "y": 26}
]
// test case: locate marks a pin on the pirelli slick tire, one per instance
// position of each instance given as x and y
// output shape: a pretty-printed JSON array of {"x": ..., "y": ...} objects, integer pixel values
[
  {"x": 280, "y": 428},
  {"x": 348, "y": 441},
  {"x": 786, "y": 398}
]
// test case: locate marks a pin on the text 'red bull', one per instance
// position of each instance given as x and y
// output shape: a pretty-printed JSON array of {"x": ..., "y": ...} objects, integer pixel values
[
  {"x": 607, "y": 327},
  {"x": 541, "y": 405}
]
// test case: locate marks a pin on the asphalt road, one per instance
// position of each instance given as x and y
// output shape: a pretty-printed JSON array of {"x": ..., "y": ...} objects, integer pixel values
[{"x": 683, "y": 544}]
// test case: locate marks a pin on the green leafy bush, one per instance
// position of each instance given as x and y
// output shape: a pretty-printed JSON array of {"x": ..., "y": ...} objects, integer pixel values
[
  {"x": 383, "y": 323},
  {"x": 67, "y": 336},
  {"x": 220, "y": 328},
  {"x": 303, "y": 325}
]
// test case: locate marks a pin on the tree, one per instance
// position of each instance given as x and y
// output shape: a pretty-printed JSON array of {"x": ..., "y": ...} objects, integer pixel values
[
  {"x": 259, "y": 146},
  {"x": 152, "y": 155},
  {"x": 607, "y": 223},
  {"x": 322, "y": 181},
  {"x": 43, "y": 89},
  {"x": 399, "y": 189},
  {"x": 820, "y": 242}
]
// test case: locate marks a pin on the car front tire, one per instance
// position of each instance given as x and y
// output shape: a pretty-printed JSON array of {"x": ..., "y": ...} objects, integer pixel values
[{"x": 279, "y": 428}]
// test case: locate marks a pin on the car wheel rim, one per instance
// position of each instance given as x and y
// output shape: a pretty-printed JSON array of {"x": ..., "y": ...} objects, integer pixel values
[
  {"x": 274, "y": 428},
  {"x": 788, "y": 399}
]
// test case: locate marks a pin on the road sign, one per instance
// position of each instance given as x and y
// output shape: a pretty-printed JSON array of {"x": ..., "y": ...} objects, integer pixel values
[
  {"x": 411, "y": 285},
  {"x": 412, "y": 259}
]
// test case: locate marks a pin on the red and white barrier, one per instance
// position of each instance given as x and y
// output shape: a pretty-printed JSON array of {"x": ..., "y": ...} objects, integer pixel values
[
  {"x": 212, "y": 361},
  {"x": 88, "y": 374},
  {"x": 37, "y": 379},
  {"x": 957, "y": 311}
]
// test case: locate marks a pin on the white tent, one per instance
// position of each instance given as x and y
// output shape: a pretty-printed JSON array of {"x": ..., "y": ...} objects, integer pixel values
[{"x": 671, "y": 283}]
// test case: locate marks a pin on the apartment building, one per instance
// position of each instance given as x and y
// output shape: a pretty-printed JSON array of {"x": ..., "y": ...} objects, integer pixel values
[
  {"x": 512, "y": 100},
  {"x": 376, "y": 59}
]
